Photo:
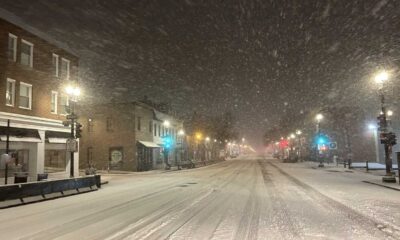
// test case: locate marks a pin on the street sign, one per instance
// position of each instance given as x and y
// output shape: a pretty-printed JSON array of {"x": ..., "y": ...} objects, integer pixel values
[
  {"x": 72, "y": 116},
  {"x": 72, "y": 145},
  {"x": 333, "y": 145}
]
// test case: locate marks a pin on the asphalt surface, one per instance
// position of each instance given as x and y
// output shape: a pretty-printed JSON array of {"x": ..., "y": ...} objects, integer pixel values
[{"x": 247, "y": 198}]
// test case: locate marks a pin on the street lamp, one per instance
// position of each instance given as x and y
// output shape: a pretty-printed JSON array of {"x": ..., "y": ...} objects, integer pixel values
[
  {"x": 298, "y": 133},
  {"x": 166, "y": 123},
  {"x": 387, "y": 138},
  {"x": 381, "y": 77},
  {"x": 181, "y": 132},
  {"x": 73, "y": 94},
  {"x": 318, "y": 117},
  {"x": 207, "y": 139}
]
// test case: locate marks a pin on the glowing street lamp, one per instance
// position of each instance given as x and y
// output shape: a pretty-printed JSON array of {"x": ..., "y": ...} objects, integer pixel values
[
  {"x": 207, "y": 139},
  {"x": 181, "y": 132},
  {"x": 298, "y": 132},
  {"x": 199, "y": 136},
  {"x": 390, "y": 113},
  {"x": 166, "y": 123},
  {"x": 319, "y": 117},
  {"x": 381, "y": 77}
]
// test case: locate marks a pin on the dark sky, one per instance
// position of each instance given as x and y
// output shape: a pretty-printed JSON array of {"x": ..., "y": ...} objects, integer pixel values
[{"x": 255, "y": 58}]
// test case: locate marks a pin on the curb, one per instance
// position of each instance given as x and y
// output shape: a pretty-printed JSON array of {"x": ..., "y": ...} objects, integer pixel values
[{"x": 381, "y": 185}]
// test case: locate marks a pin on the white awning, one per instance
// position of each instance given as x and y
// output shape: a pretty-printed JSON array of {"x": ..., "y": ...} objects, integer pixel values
[
  {"x": 58, "y": 140},
  {"x": 3, "y": 138},
  {"x": 149, "y": 144}
]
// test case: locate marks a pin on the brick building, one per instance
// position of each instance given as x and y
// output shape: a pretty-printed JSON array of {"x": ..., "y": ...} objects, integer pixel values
[
  {"x": 125, "y": 136},
  {"x": 34, "y": 70}
]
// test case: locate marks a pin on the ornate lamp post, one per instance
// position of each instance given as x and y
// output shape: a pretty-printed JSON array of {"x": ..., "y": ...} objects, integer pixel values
[
  {"x": 73, "y": 94},
  {"x": 388, "y": 139}
]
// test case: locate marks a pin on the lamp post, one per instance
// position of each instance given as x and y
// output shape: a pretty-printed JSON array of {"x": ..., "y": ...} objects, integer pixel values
[
  {"x": 73, "y": 94},
  {"x": 387, "y": 138},
  {"x": 318, "y": 119},
  {"x": 298, "y": 133}
]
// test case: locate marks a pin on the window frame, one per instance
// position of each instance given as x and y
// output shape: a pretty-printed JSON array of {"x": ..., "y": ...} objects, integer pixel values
[
  {"x": 12, "y": 81},
  {"x": 56, "y": 56},
  {"x": 55, "y": 103},
  {"x": 30, "y": 95},
  {"x": 68, "y": 67},
  {"x": 109, "y": 124},
  {"x": 23, "y": 41},
  {"x": 15, "y": 40}
]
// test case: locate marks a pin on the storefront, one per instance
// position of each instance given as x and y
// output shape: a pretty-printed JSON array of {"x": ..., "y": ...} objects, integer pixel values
[{"x": 37, "y": 146}]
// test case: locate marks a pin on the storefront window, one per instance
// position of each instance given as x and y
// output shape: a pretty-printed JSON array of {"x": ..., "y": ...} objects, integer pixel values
[{"x": 55, "y": 161}]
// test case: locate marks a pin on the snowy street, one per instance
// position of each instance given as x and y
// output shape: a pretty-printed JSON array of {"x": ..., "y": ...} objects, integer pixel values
[{"x": 246, "y": 198}]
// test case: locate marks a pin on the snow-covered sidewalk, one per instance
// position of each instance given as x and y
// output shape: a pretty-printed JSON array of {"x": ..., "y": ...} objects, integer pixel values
[{"x": 352, "y": 188}]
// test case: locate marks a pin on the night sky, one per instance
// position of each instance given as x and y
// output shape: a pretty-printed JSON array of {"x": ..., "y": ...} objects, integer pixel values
[{"x": 257, "y": 59}]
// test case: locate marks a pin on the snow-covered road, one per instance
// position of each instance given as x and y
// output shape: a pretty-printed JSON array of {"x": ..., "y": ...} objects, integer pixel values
[{"x": 247, "y": 198}]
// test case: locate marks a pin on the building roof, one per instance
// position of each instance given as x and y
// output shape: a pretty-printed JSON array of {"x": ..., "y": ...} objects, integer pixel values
[{"x": 12, "y": 18}]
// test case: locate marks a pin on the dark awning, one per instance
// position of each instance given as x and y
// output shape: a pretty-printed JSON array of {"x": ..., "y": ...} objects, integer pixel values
[
  {"x": 57, "y": 137},
  {"x": 149, "y": 144},
  {"x": 19, "y": 134}
]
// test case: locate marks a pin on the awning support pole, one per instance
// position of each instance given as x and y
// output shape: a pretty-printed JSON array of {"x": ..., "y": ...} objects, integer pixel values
[{"x": 7, "y": 150}]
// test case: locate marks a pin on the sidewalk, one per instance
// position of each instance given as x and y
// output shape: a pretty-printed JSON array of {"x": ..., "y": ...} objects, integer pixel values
[{"x": 373, "y": 177}]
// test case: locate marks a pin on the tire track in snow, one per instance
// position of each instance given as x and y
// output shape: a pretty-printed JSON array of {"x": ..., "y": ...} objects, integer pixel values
[
  {"x": 164, "y": 226},
  {"x": 248, "y": 226},
  {"x": 370, "y": 225},
  {"x": 281, "y": 218}
]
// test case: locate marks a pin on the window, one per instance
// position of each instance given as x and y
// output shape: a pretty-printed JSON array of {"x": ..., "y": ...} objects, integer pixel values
[
  {"x": 55, "y": 161},
  {"x": 54, "y": 96},
  {"x": 25, "y": 96},
  {"x": 90, "y": 125},
  {"x": 12, "y": 47},
  {"x": 139, "y": 119},
  {"x": 109, "y": 124},
  {"x": 159, "y": 130},
  {"x": 64, "y": 105},
  {"x": 26, "y": 53},
  {"x": 155, "y": 130},
  {"x": 64, "y": 68},
  {"x": 150, "y": 127},
  {"x": 10, "y": 92},
  {"x": 55, "y": 64}
]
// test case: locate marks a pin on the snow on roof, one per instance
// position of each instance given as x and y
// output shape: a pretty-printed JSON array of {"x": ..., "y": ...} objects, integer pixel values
[{"x": 12, "y": 18}]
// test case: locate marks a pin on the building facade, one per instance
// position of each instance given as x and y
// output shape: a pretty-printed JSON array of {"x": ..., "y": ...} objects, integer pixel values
[
  {"x": 33, "y": 73},
  {"x": 126, "y": 136}
]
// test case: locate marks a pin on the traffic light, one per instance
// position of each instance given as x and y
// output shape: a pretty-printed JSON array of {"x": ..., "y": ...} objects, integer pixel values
[
  {"x": 383, "y": 137},
  {"x": 321, "y": 139},
  {"x": 382, "y": 122},
  {"x": 392, "y": 139},
  {"x": 168, "y": 142},
  {"x": 78, "y": 131},
  {"x": 388, "y": 138}
]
